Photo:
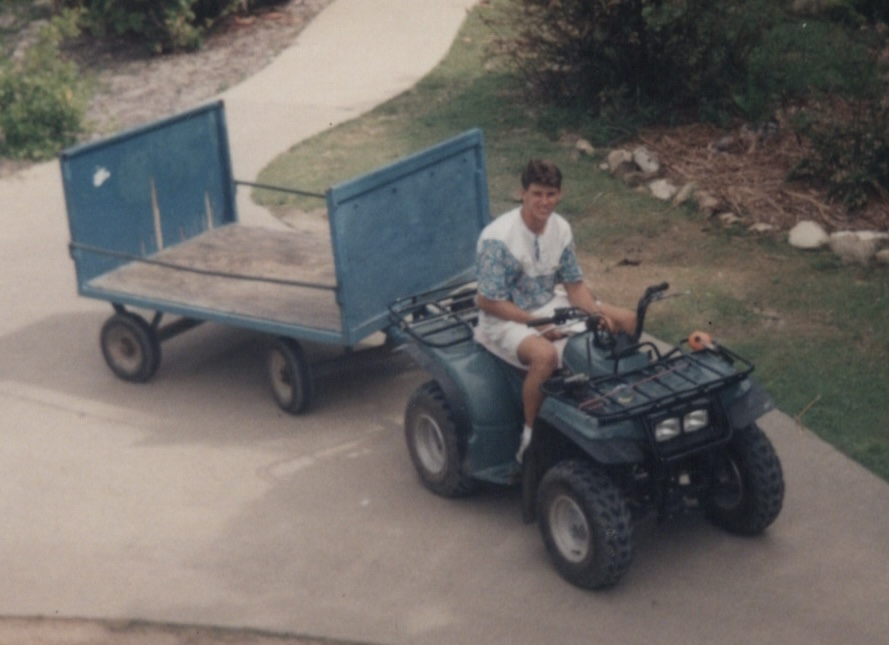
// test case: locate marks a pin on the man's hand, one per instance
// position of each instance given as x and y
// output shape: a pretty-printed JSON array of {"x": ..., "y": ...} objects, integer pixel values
[
  {"x": 553, "y": 333},
  {"x": 616, "y": 318}
]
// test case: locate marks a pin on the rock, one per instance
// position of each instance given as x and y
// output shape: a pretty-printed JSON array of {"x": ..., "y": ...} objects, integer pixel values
[
  {"x": 685, "y": 193},
  {"x": 707, "y": 203},
  {"x": 761, "y": 228},
  {"x": 618, "y": 159},
  {"x": 726, "y": 143},
  {"x": 632, "y": 178},
  {"x": 807, "y": 235},
  {"x": 853, "y": 247},
  {"x": 882, "y": 257},
  {"x": 880, "y": 238},
  {"x": 662, "y": 189},
  {"x": 584, "y": 147},
  {"x": 646, "y": 161},
  {"x": 729, "y": 219}
]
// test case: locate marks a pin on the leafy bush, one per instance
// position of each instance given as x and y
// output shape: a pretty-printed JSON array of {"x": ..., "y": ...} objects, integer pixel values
[
  {"x": 42, "y": 96},
  {"x": 660, "y": 55},
  {"x": 800, "y": 59},
  {"x": 850, "y": 151},
  {"x": 851, "y": 13},
  {"x": 162, "y": 25}
]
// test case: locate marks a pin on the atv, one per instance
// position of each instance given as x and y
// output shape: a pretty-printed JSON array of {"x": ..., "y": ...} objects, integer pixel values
[{"x": 626, "y": 428}]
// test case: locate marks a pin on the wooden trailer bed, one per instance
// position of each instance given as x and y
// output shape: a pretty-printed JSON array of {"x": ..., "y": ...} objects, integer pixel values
[{"x": 275, "y": 275}]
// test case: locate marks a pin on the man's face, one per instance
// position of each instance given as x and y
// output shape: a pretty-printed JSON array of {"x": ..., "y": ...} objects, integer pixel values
[{"x": 538, "y": 203}]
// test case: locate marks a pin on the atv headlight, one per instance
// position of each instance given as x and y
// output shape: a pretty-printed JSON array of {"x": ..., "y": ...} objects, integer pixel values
[
  {"x": 695, "y": 420},
  {"x": 667, "y": 429}
]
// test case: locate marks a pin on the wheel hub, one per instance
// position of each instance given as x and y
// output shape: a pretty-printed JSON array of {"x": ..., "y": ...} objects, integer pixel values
[
  {"x": 570, "y": 530},
  {"x": 430, "y": 444}
]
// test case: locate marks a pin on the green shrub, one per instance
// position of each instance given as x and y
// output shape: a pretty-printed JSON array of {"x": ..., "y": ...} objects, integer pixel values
[
  {"x": 42, "y": 96},
  {"x": 801, "y": 59},
  {"x": 850, "y": 150},
  {"x": 852, "y": 13},
  {"x": 666, "y": 57},
  {"x": 162, "y": 25}
]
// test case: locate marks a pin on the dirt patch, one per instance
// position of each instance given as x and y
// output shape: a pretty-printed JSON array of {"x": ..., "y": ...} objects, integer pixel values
[
  {"x": 747, "y": 169},
  {"x": 135, "y": 87}
]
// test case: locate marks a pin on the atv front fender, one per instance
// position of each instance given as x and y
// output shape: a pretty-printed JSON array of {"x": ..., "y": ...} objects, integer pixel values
[
  {"x": 613, "y": 443},
  {"x": 745, "y": 403}
]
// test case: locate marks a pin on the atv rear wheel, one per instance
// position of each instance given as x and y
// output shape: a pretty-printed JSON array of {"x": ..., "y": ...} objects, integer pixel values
[
  {"x": 434, "y": 441},
  {"x": 585, "y": 524},
  {"x": 747, "y": 489}
]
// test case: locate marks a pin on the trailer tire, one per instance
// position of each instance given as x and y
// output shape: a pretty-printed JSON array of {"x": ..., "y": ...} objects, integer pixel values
[
  {"x": 290, "y": 376},
  {"x": 434, "y": 443},
  {"x": 747, "y": 490},
  {"x": 131, "y": 347},
  {"x": 585, "y": 524}
]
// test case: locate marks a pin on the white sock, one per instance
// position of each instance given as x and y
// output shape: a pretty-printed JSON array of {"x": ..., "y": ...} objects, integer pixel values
[{"x": 526, "y": 439}]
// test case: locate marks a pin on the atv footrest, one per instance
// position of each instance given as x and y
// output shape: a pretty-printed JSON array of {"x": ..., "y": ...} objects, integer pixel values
[{"x": 504, "y": 474}]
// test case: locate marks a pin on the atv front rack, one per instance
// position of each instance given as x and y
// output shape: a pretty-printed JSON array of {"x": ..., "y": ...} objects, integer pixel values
[
  {"x": 438, "y": 318},
  {"x": 677, "y": 378}
]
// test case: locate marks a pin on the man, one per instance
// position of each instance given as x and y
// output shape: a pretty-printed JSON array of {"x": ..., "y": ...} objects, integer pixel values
[{"x": 527, "y": 267}]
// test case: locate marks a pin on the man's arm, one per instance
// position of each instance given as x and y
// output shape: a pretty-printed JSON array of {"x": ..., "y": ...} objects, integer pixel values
[
  {"x": 503, "y": 309},
  {"x": 617, "y": 318}
]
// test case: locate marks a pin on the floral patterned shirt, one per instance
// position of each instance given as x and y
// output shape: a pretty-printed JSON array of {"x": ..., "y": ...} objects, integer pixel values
[{"x": 514, "y": 264}]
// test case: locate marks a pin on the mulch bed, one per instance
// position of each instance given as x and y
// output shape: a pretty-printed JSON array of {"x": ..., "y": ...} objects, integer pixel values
[{"x": 747, "y": 169}]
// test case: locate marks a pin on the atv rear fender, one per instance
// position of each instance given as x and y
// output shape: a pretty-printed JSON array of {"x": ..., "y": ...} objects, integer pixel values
[{"x": 484, "y": 394}]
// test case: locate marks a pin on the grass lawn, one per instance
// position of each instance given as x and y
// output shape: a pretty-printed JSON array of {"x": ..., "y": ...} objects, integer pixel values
[{"x": 816, "y": 329}]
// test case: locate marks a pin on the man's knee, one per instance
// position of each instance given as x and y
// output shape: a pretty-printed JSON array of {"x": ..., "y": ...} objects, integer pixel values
[{"x": 539, "y": 354}]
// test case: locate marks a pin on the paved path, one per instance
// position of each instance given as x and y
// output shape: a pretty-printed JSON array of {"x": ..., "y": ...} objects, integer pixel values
[{"x": 193, "y": 500}]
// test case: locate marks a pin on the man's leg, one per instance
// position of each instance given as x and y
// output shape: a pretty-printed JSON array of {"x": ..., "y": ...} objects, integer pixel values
[{"x": 542, "y": 359}]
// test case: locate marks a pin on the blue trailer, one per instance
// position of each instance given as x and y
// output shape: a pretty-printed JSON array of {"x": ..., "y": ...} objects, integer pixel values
[{"x": 154, "y": 228}]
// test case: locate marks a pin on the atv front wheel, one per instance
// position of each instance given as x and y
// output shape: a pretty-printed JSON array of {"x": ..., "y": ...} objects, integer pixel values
[
  {"x": 434, "y": 442},
  {"x": 747, "y": 489},
  {"x": 585, "y": 524}
]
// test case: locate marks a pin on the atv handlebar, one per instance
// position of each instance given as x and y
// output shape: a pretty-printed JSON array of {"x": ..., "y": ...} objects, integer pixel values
[
  {"x": 652, "y": 294},
  {"x": 594, "y": 322},
  {"x": 560, "y": 316}
]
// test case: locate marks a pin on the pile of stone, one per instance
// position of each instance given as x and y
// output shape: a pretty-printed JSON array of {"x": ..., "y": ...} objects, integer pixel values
[
  {"x": 640, "y": 168},
  {"x": 853, "y": 247}
]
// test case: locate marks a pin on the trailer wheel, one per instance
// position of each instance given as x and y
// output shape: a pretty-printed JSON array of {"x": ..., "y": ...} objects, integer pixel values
[
  {"x": 585, "y": 524},
  {"x": 747, "y": 489},
  {"x": 130, "y": 347},
  {"x": 433, "y": 442},
  {"x": 290, "y": 375}
]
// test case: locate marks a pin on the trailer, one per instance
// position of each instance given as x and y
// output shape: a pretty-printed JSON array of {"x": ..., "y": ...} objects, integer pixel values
[{"x": 154, "y": 228}]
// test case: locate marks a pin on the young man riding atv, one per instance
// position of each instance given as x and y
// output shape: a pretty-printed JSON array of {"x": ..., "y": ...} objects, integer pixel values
[
  {"x": 524, "y": 257},
  {"x": 621, "y": 427}
]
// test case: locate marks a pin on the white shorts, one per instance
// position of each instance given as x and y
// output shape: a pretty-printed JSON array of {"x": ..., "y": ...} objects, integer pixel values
[{"x": 503, "y": 337}]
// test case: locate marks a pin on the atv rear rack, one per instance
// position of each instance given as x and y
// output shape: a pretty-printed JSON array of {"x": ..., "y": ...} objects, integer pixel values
[
  {"x": 672, "y": 380},
  {"x": 438, "y": 318}
]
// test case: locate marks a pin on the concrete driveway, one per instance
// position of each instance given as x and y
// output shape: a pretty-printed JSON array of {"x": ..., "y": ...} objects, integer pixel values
[{"x": 194, "y": 500}]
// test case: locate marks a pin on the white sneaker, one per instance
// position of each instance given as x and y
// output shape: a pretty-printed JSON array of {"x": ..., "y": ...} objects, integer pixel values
[{"x": 526, "y": 439}]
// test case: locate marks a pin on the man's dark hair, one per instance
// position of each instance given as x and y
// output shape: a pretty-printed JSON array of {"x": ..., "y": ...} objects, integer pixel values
[{"x": 540, "y": 171}]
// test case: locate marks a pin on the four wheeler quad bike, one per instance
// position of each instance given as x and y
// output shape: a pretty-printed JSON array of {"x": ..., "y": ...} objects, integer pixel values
[{"x": 625, "y": 428}]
